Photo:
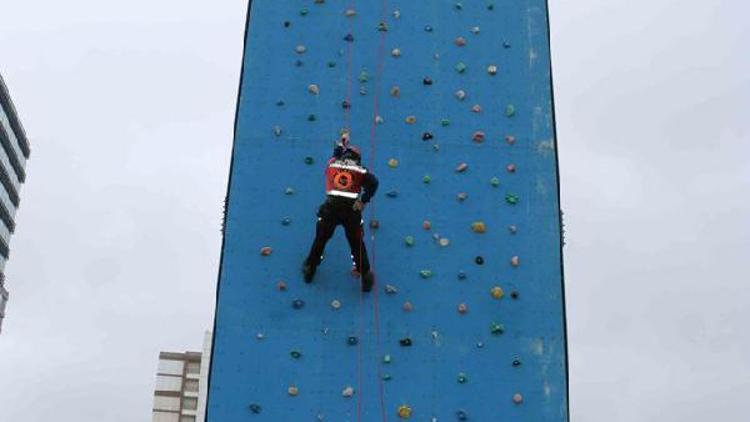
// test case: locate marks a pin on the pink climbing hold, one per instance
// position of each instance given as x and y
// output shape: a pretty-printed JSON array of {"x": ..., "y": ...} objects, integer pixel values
[
  {"x": 462, "y": 308},
  {"x": 510, "y": 139},
  {"x": 515, "y": 261},
  {"x": 476, "y": 108},
  {"x": 478, "y": 137},
  {"x": 266, "y": 250},
  {"x": 511, "y": 168}
]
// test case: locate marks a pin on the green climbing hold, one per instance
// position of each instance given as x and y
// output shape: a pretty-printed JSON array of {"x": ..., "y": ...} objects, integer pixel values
[
  {"x": 512, "y": 199},
  {"x": 490, "y": 6},
  {"x": 510, "y": 110},
  {"x": 495, "y": 182},
  {"x": 462, "y": 378},
  {"x": 445, "y": 122},
  {"x": 425, "y": 273},
  {"x": 426, "y": 179},
  {"x": 331, "y": 64},
  {"x": 387, "y": 359},
  {"x": 289, "y": 191},
  {"x": 309, "y": 160},
  {"x": 496, "y": 328},
  {"x": 409, "y": 241},
  {"x": 460, "y": 67},
  {"x": 364, "y": 76},
  {"x": 304, "y": 12}
]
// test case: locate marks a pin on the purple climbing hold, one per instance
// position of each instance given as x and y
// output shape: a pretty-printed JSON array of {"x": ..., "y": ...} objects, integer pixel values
[{"x": 427, "y": 80}]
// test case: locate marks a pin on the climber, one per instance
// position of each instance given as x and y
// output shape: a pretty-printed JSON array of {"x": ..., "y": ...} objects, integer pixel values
[{"x": 349, "y": 187}]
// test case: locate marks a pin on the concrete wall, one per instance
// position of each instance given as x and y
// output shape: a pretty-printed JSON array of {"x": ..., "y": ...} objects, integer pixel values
[{"x": 456, "y": 366}]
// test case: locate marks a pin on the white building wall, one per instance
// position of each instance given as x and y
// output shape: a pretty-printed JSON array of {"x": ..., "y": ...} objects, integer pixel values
[{"x": 203, "y": 385}]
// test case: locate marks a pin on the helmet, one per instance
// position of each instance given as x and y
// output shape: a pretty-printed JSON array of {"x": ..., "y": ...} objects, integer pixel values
[{"x": 353, "y": 153}]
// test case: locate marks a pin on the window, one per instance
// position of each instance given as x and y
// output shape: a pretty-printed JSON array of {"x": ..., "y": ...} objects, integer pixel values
[
  {"x": 189, "y": 403},
  {"x": 191, "y": 386},
  {"x": 193, "y": 367}
]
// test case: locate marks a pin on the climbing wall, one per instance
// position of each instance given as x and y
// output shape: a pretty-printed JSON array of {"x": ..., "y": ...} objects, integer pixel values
[{"x": 451, "y": 104}]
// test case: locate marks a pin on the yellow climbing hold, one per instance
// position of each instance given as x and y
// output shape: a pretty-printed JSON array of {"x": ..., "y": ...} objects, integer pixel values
[
  {"x": 404, "y": 412},
  {"x": 497, "y": 292},
  {"x": 478, "y": 227},
  {"x": 292, "y": 390},
  {"x": 393, "y": 163},
  {"x": 411, "y": 120}
]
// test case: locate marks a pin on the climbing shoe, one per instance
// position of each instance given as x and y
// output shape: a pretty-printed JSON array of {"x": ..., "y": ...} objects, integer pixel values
[
  {"x": 308, "y": 271},
  {"x": 367, "y": 281}
]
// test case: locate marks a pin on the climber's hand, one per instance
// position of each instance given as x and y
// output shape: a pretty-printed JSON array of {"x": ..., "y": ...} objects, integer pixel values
[{"x": 358, "y": 205}]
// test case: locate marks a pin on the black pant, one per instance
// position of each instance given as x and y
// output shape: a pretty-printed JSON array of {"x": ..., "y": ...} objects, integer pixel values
[{"x": 333, "y": 212}]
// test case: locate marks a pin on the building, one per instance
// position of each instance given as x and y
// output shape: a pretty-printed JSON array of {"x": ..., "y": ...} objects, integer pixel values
[
  {"x": 180, "y": 394},
  {"x": 13, "y": 155}
]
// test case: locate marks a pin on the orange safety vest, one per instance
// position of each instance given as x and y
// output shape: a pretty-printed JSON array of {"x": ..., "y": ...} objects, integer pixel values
[{"x": 344, "y": 178}]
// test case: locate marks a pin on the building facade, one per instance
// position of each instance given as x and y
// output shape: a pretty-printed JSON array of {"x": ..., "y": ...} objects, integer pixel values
[
  {"x": 180, "y": 393},
  {"x": 14, "y": 151}
]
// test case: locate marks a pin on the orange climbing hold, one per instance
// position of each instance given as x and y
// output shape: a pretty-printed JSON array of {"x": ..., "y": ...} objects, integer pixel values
[{"x": 478, "y": 227}]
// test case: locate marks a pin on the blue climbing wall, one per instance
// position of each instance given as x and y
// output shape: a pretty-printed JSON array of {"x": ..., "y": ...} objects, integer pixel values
[{"x": 451, "y": 104}]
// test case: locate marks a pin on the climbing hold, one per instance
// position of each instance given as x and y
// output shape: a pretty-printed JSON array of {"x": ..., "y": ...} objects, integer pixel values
[
  {"x": 497, "y": 292},
  {"x": 292, "y": 390},
  {"x": 289, "y": 191},
  {"x": 462, "y": 275},
  {"x": 382, "y": 27},
  {"x": 396, "y": 52},
  {"x": 512, "y": 199},
  {"x": 476, "y": 108},
  {"x": 506, "y": 44},
  {"x": 309, "y": 160},
  {"x": 425, "y": 273},
  {"x": 287, "y": 24},
  {"x": 512, "y": 229},
  {"x": 281, "y": 285},
  {"x": 461, "y": 94},
  {"x": 409, "y": 241},
  {"x": 426, "y": 179},
  {"x": 277, "y": 131},
  {"x": 445, "y": 122},
  {"x": 480, "y": 344},
  {"x": 395, "y": 91},
  {"x": 411, "y": 120},
  {"x": 461, "y": 167},
  {"x": 299, "y": 63},
  {"x": 349, "y": 38},
  {"x": 516, "y": 362},
  {"x": 490, "y": 6},
  {"x": 379, "y": 119},
  {"x": 495, "y": 182},
  {"x": 350, "y": 13},
  {"x": 479, "y": 260},
  {"x": 335, "y": 304},
  {"x": 426, "y": 224},
  {"x": 427, "y": 136},
  {"x": 478, "y": 227},
  {"x": 374, "y": 224},
  {"x": 352, "y": 340},
  {"x": 475, "y": 30},
  {"x": 303, "y": 12},
  {"x": 461, "y": 196},
  {"x": 255, "y": 408},
  {"x": 408, "y": 307},
  {"x": 387, "y": 359},
  {"x": 405, "y": 342},
  {"x": 396, "y": 14},
  {"x": 404, "y": 411},
  {"x": 260, "y": 336},
  {"x": 312, "y": 118},
  {"x": 460, "y": 41},
  {"x": 363, "y": 90},
  {"x": 514, "y": 294},
  {"x": 346, "y": 105},
  {"x": 462, "y": 415},
  {"x": 298, "y": 304},
  {"x": 510, "y": 139},
  {"x": 462, "y": 308},
  {"x": 295, "y": 354},
  {"x": 392, "y": 194},
  {"x": 458, "y": 6},
  {"x": 387, "y": 377},
  {"x": 462, "y": 378},
  {"x": 427, "y": 80},
  {"x": 300, "y": 49},
  {"x": 363, "y": 76},
  {"x": 460, "y": 67},
  {"x": 280, "y": 103},
  {"x": 436, "y": 56},
  {"x": 427, "y": 28},
  {"x": 496, "y": 328},
  {"x": 517, "y": 398},
  {"x": 510, "y": 110},
  {"x": 266, "y": 250},
  {"x": 347, "y": 392},
  {"x": 478, "y": 137},
  {"x": 393, "y": 163},
  {"x": 391, "y": 289},
  {"x": 331, "y": 64},
  {"x": 444, "y": 241},
  {"x": 515, "y": 261},
  {"x": 492, "y": 69},
  {"x": 319, "y": 1},
  {"x": 511, "y": 168}
]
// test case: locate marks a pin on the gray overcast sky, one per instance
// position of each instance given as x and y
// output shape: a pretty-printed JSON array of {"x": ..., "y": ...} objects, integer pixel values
[{"x": 130, "y": 107}]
